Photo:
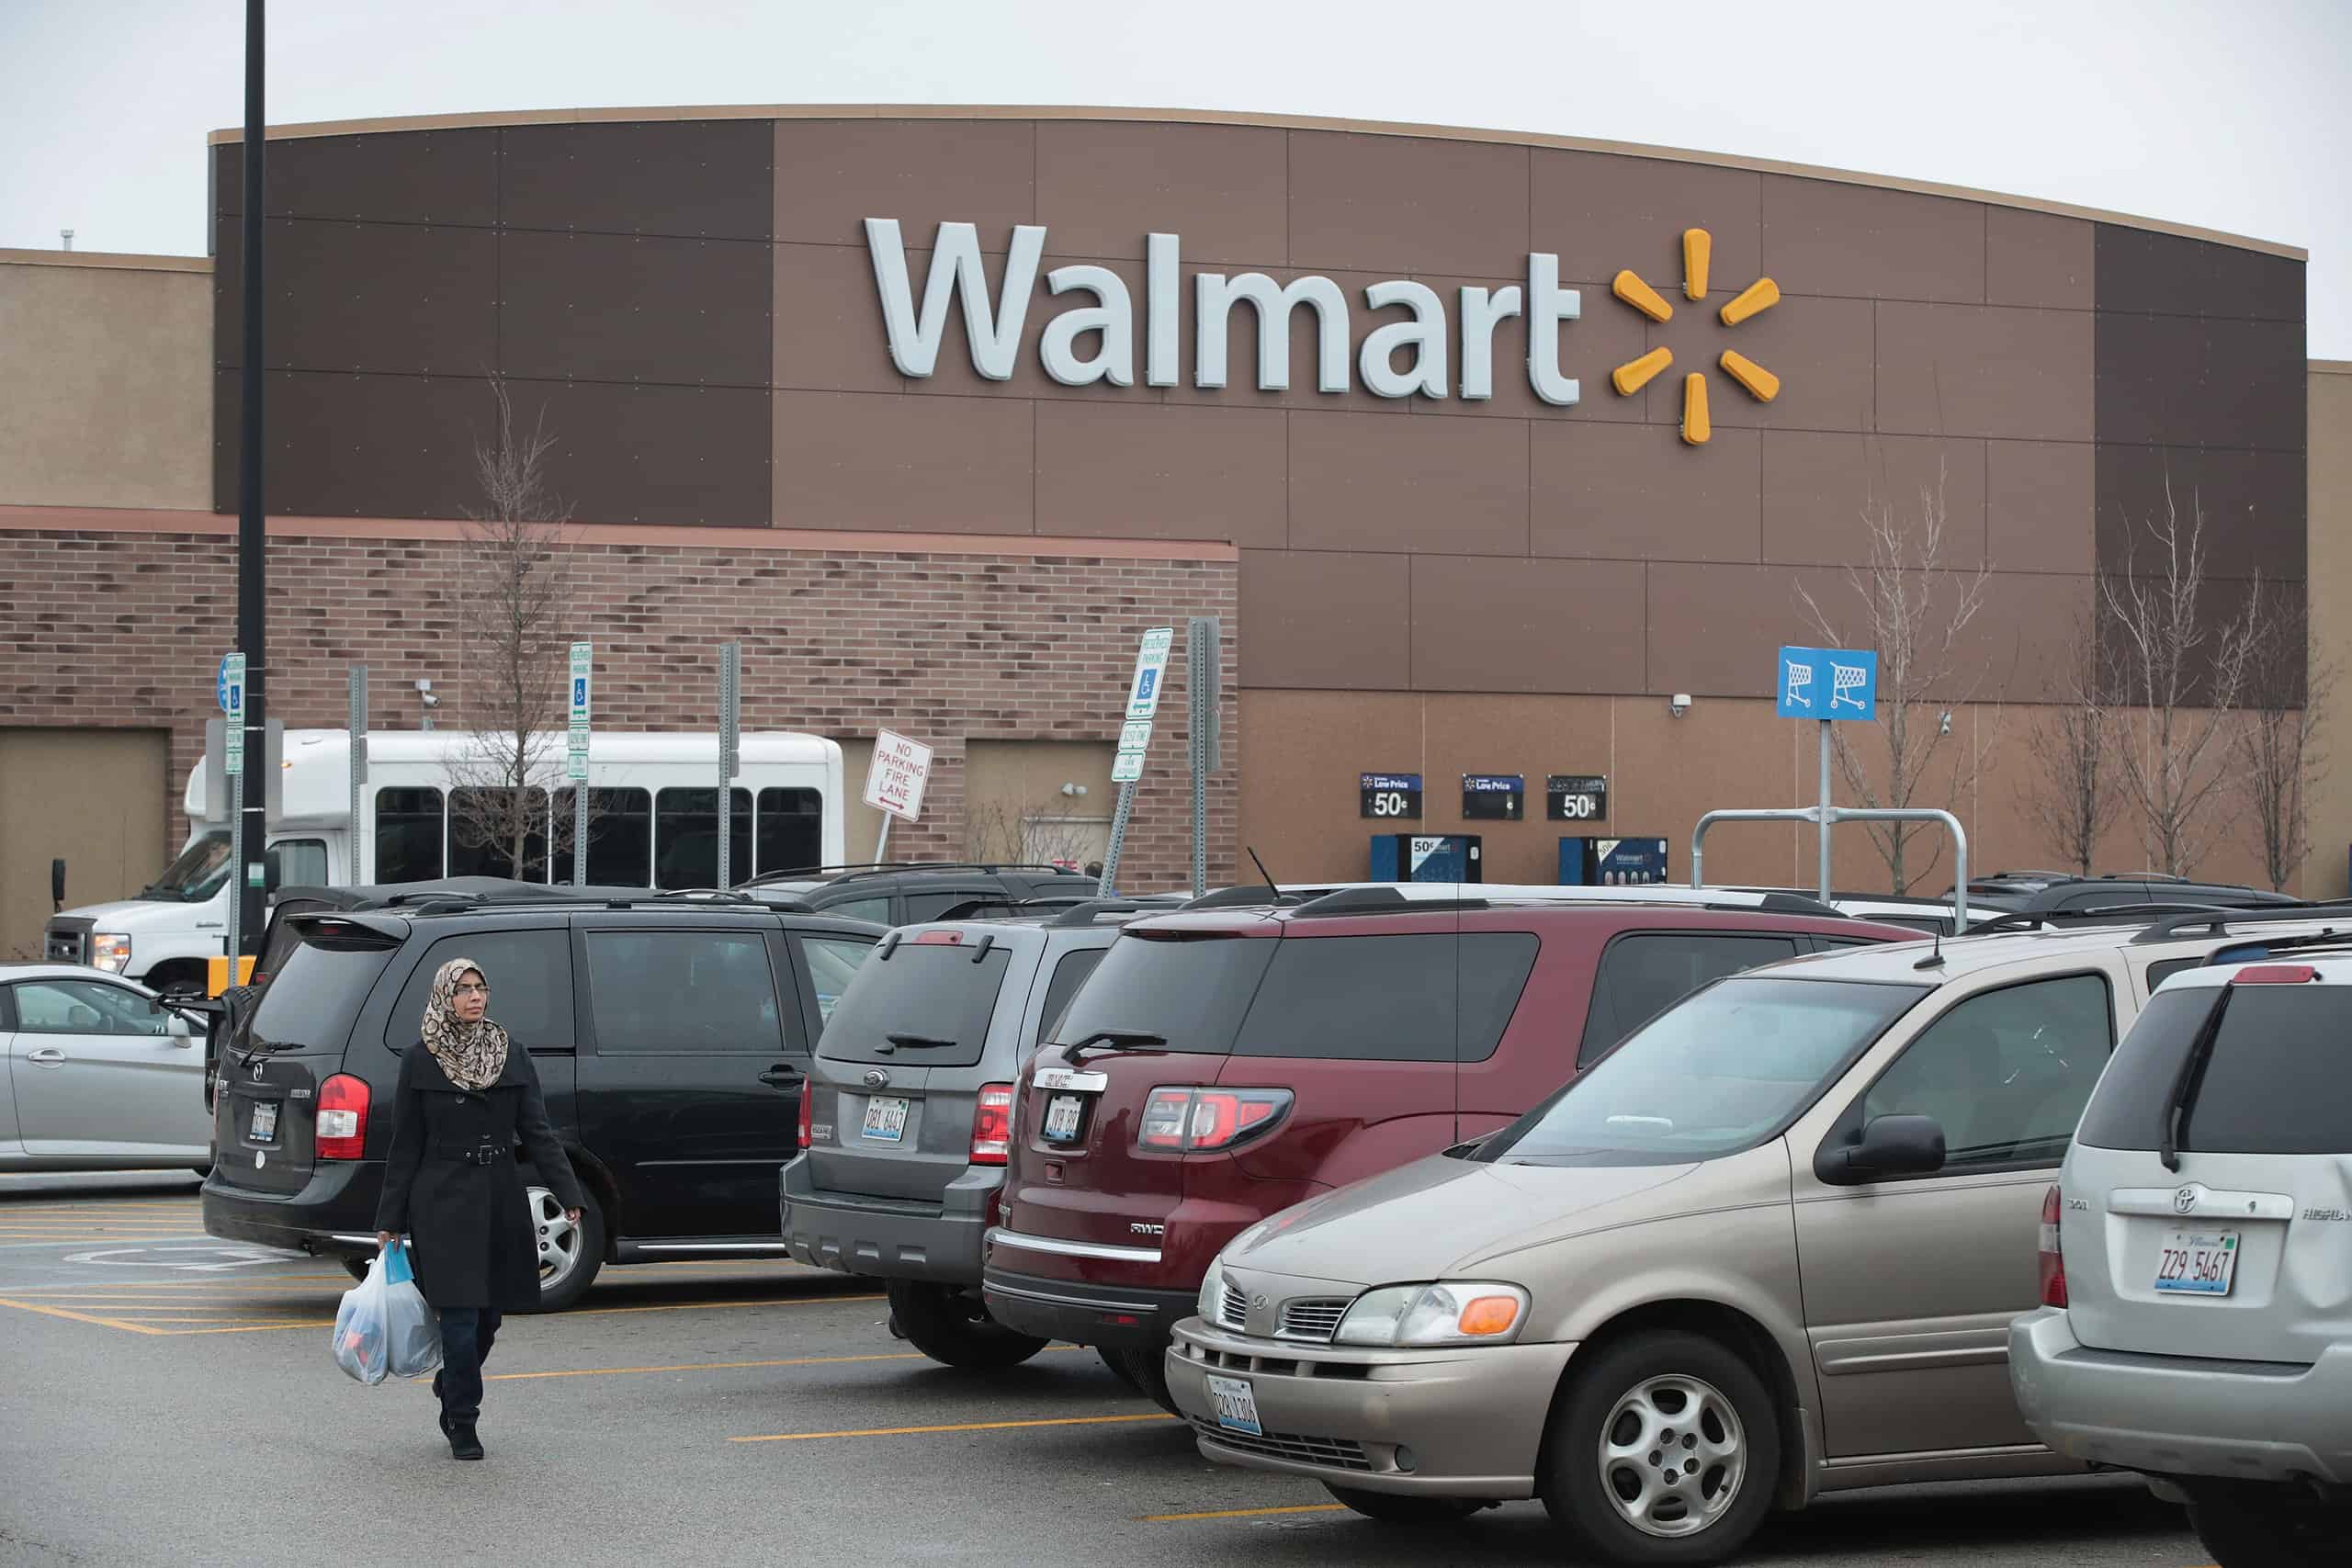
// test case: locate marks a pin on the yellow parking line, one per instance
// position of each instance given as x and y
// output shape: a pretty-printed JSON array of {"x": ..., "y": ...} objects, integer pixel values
[
  {"x": 78, "y": 1316},
  {"x": 1241, "y": 1513},
  {"x": 958, "y": 1426}
]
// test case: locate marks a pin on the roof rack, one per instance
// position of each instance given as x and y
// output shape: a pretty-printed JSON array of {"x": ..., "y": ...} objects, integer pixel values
[
  {"x": 2100, "y": 915},
  {"x": 1379, "y": 902},
  {"x": 1086, "y": 913},
  {"x": 2216, "y": 921},
  {"x": 884, "y": 868},
  {"x": 1246, "y": 896},
  {"x": 2263, "y": 947}
]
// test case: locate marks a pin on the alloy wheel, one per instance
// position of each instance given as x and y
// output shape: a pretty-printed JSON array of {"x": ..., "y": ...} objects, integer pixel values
[
  {"x": 1672, "y": 1456},
  {"x": 558, "y": 1237}
]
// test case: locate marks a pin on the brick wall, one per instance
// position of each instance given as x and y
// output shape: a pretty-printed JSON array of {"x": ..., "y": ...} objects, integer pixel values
[{"x": 125, "y": 629}]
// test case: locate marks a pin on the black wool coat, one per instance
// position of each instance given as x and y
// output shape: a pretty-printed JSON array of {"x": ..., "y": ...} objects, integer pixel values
[{"x": 469, "y": 1224}]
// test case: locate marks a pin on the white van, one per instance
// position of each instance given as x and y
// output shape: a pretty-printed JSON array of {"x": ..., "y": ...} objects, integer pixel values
[{"x": 654, "y": 802}]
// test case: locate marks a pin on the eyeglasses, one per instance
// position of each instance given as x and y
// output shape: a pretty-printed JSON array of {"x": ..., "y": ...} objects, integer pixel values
[{"x": 473, "y": 990}]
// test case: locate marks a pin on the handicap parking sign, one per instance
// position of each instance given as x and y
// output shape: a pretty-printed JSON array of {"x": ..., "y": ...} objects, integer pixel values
[{"x": 1826, "y": 683}]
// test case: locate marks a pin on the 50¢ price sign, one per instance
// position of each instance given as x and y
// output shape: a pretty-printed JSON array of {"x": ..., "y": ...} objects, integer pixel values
[{"x": 1391, "y": 797}]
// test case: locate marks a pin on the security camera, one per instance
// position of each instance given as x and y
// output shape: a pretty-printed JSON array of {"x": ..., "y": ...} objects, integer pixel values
[{"x": 1679, "y": 704}]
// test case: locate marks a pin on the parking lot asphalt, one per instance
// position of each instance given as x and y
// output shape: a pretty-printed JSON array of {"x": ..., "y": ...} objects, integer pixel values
[{"x": 165, "y": 1398}]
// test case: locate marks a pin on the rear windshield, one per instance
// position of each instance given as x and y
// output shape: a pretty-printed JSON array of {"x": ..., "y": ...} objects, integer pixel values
[
  {"x": 2277, "y": 1081},
  {"x": 934, "y": 996},
  {"x": 310, "y": 1004},
  {"x": 1432, "y": 997}
]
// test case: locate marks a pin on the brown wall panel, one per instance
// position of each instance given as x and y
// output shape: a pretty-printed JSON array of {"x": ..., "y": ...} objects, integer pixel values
[
  {"x": 387, "y": 298},
  {"x": 701, "y": 179},
  {"x": 833, "y": 175},
  {"x": 1723, "y": 753},
  {"x": 1821, "y": 237},
  {"x": 1985, "y": 370},
  {"x": 1637, "y": 492},
  {"x": 626, "y": 308},
  {"x": 1106, "y": 469},
  {"x": 1320, "y": 618},
  {"x": 2172, "y": 275},
  {"x": 648, "y": 453},
  {"x": 416, "y": 177},
  {"x": 2253, "y": 504},
  {"x": 1820, "y": 348},
  {"x": 827, "y": 326},
  {"x": 1713, "y": 629},
  {"x": 1400, "y": 205},
  {"x": 2183, "y": 380},
  {"x": 1223, "y": 189},
  {"x": 1496, "y": 625},
  {"x": 1530, "y": 736},
  {"x": 2038, "y": 258},
  {"x": 1375, "y": 483},
  {"x": 1307, "y": 750},
  {"x": 1602, "y": 213},
  {"x": 925, "y": 464},
  {"x": 358, "y": 446},
  {"x": 1823, "y": 493},
  {"x": 2039, "y": 501}
]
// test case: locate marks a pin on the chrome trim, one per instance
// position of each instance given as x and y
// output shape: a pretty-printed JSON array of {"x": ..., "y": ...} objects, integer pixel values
[
  {"x": 1141, "y": 1309},
  {"x": 2202, "y": 1202},
  {"x": 714, "y": 1247},
  {"x": 1000, "y": 1237},
  {"x": 368, "y": 1240}
]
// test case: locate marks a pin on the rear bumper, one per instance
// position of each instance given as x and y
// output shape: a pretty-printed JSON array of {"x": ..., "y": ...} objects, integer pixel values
[
  {"x": 1118, "y": 1317},
  {"x": 1462, "y": 1423},
  {"x": 332, "y": 1216},
  {"x": 2177, "y": 1416},
  {"x": 890, "y": 1238}
]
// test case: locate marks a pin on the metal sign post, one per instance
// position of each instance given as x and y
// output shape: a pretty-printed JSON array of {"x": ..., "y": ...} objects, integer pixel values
[
  {"x": 358, "y": 733},
  {"x": 1135, "y": 739},
  {"x": 1203, "y": 635},
  {"x": 1826, "y": 685},
  {"x": 731, "y": 713},
  {"x": 232, "y": 759},
  {"x": 583, "y": 659}
]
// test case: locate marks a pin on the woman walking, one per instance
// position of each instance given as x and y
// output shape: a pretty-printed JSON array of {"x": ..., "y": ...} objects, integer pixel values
[{"x": 465, "y": 1095}]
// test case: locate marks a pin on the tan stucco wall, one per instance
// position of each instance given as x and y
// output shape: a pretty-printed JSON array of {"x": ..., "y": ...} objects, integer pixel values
[
  {"x": 105, "y": 380},
  {"x": 2330, "y": 601},
  {"x": 87, "y": 798}
]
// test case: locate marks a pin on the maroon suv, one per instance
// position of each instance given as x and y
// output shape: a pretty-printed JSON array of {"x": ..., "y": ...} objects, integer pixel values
[{"x": 1220, "y": 1066}]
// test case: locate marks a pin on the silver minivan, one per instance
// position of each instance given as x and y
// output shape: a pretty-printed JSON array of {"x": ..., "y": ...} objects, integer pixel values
[
  {"x": 1768, "y": 1247},
  {"x": 2197, "y": 1261}
]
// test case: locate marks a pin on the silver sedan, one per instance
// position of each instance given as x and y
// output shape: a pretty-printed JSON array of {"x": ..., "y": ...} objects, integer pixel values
[{"x": 99, "y": 1075}]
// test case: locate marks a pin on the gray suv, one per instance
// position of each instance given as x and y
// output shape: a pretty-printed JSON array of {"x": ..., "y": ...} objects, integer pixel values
[{"x": 906, "y": 1123}]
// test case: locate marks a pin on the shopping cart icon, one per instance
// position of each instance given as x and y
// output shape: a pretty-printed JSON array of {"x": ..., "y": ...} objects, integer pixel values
[
  {"x": 1826, "y": 683},
  {"x": 1845, "y": 679},
  {"x": 1799, "y": 691}
]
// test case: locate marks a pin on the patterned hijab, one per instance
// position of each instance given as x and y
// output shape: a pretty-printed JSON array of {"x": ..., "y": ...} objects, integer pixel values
[{"x": 473, "y": 1054}]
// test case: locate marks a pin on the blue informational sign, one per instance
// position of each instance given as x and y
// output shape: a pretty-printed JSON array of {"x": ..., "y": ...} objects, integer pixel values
[
  {"x": 221, "y": 682},
  {"x": 1826, "y": 682}
]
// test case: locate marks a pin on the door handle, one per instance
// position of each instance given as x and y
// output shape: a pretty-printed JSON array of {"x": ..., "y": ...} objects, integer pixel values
[
  {"x": 46, "y": 1057},
  {"x": 782, "y": 1078}
]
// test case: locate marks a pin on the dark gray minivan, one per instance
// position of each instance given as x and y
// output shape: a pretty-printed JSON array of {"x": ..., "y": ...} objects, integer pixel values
[{"x": 906, "y": 1123}]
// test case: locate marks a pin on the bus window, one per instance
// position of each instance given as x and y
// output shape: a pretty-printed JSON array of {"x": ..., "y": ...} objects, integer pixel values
[
  {"x": 685, "y": 837},
  {"x": 482, "y": 832},
  {"x": 792, "y": 828},
  {"x": 408, "y": 835},
  {"x": 620, "y": 833}
]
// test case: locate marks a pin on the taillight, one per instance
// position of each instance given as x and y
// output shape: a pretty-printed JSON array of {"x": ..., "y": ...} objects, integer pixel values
[
  {"x": 993, "y": 1124},
  {"x": 808, "y": 1112},
  {"x": 343, "y": 1118},
  {"x": 1196, "y": 1120},
  {"x": 2053, "y": 1258}
]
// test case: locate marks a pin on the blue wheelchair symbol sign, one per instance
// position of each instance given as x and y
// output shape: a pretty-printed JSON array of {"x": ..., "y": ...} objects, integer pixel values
[
  {"x": 1147, "y": 682},
  {"x": 1826, "y": 683},
  {"x": 579, "y": 691}
]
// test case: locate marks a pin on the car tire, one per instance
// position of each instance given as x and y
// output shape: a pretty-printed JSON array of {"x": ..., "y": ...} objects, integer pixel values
[
  {"x": 1119, "y": 1370},
  {"x": 2269, "y": 1527},
  {"x": 570, "y": 1255},
  {"x": 1692, "y": 1397},
  {"x": 356, "y": 1267},
  {"x": 1145, "y": 1370},
  {"x": 1392, "y": 1509},
  {"x": 951, "y": 1328}
]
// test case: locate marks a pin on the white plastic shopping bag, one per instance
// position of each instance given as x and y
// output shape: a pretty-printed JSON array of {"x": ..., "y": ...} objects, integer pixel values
[{"x": 384, "y": 1326}]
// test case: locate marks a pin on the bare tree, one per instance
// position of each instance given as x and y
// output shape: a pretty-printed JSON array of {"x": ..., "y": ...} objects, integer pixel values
[
  {"x": 2072, "y": 794},
  {"x": 1001, "y": 834},
  {"x": 2179, "y": 679},
  {"x": 516, "y": 600},
  {"x": 2289, "y": 686},
  {"x": 1915, "y": 607}
]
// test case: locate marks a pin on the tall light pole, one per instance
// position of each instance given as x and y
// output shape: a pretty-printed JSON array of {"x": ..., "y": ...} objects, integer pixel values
[{"x": 251, "y": 892}]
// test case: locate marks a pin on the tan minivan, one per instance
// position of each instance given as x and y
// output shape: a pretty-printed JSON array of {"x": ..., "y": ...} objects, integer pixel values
[{"x": 1768, "y": 1247}]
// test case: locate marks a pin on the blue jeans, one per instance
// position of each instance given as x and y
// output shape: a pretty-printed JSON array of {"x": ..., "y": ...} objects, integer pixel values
[{"x": 467, "y": 1335}]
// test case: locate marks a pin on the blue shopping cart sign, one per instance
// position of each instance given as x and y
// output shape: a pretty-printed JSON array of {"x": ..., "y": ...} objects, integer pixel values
[{"x": 1826, "y": 682}]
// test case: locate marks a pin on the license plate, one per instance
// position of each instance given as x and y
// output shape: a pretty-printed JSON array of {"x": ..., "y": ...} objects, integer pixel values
[
  {"x": 263, "y": 1127},
  {"x": 2198, "y": 1263},
  {"x": 1235, "y": 1406},
  {"x": 1063, "y": 1114},
  {"x": 886, "y": 1120}
]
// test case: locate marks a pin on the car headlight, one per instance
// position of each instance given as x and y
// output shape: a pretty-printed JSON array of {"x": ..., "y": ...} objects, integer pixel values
[
  {"x": 1455, "y": 1312},
  {"x": 1210, "y": 1304},
  {"x": 111, "y": 951}
]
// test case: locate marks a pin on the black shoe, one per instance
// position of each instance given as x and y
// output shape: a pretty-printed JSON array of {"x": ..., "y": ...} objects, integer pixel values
[
  {"x": 463, "y": 1443},
  {"x": 445, "y": 1423}
]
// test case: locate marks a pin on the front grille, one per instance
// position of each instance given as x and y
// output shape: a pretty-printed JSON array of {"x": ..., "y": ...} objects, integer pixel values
[
  {"x": 65, "y": 947},
  {"x": 1272, "y": 1366},
  {"x": 1310, "y": 1318},
  {"x": 1332, "y": 1453},
  {"x": 1232, "y": 1306}
]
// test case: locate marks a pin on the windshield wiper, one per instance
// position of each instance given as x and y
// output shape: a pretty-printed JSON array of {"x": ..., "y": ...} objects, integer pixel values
[
  {"x": 2175, "y": 1107},
  {"x": 1117, "y": 1039},
  {"x": 157, "y": 891},
  {"x": 919, "y": 1041}
]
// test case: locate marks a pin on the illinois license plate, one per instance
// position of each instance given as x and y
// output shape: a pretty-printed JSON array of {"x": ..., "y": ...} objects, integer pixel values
[
  {"x": 886, "y": 1119},
  {"x": 1063, "y": 1114},
  {"x": 2198, "y": 1263},
  {"x": 1235, "y": 1406},
  {"x": 264, "y": 1126}
]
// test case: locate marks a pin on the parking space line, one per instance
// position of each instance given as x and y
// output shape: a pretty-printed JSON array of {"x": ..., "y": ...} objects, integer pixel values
[
  {"x": 1240, "y": 1513},
  {"x": 958, "y": 1426},
  {"x": 115, "y": 1240},
  {"x": 79, "y": 1316}
]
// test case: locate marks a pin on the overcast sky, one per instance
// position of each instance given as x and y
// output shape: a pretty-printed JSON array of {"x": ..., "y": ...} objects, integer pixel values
[{"x": 2234, "y": 116}]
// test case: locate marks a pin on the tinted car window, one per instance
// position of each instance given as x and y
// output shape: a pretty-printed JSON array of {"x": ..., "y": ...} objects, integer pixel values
[
  {"x": 874, "y": 909},
  {"x": 2007, "y": 1072},
  {"x": 2274, "y": 1082},
  {"x": 620, "y": 844},
  {"x": 1192, "y": 992},
  {"x": 301, "y": 863},
  {"x": 1068, "y": 974},
  {"x": 530, "y": 986},
  {"x": 685, "y": 837},
  {"x": 408, "y": 835},
  {"x": 922, "y": 907},
  {"x": 697, "y": 992},
  {"x": 833, "y": 962},
  {"x": 1646, "y": 973},
  {"x": 1388, "y": 999},
  {"x": 2165, "y": 968},
  {"x": 310, "y": 1003},
  {"x": 923, "y": 991}
]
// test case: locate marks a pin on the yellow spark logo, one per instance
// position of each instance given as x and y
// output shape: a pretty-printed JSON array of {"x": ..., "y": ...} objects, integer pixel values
[{"x": 1635, "y": 374}]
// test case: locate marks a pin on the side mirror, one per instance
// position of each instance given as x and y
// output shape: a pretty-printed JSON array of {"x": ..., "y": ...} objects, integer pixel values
[
  {"x": 1891, "y": 1146},
  {"x": 273, "y": 871},
  {"x": 56, "y": 885}
]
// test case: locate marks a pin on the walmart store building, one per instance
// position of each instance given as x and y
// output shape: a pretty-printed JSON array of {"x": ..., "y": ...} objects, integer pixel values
[{"x": 1482, "y": 447}]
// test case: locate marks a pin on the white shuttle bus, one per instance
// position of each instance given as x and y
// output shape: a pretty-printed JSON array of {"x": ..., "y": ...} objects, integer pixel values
[{"x": 653, "y": 800}]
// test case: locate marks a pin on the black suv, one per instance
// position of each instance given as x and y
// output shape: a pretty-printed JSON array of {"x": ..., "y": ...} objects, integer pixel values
[
  {"x": 672, "y": 1034},
  {"x": 915, "y": 895},
  {"x": 2057, "y": 892}
]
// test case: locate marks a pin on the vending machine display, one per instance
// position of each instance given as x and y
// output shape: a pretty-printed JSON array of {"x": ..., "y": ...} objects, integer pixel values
[
  {"x": 1426, "y": 857},
  {"x": 1613, "y": 863}
]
